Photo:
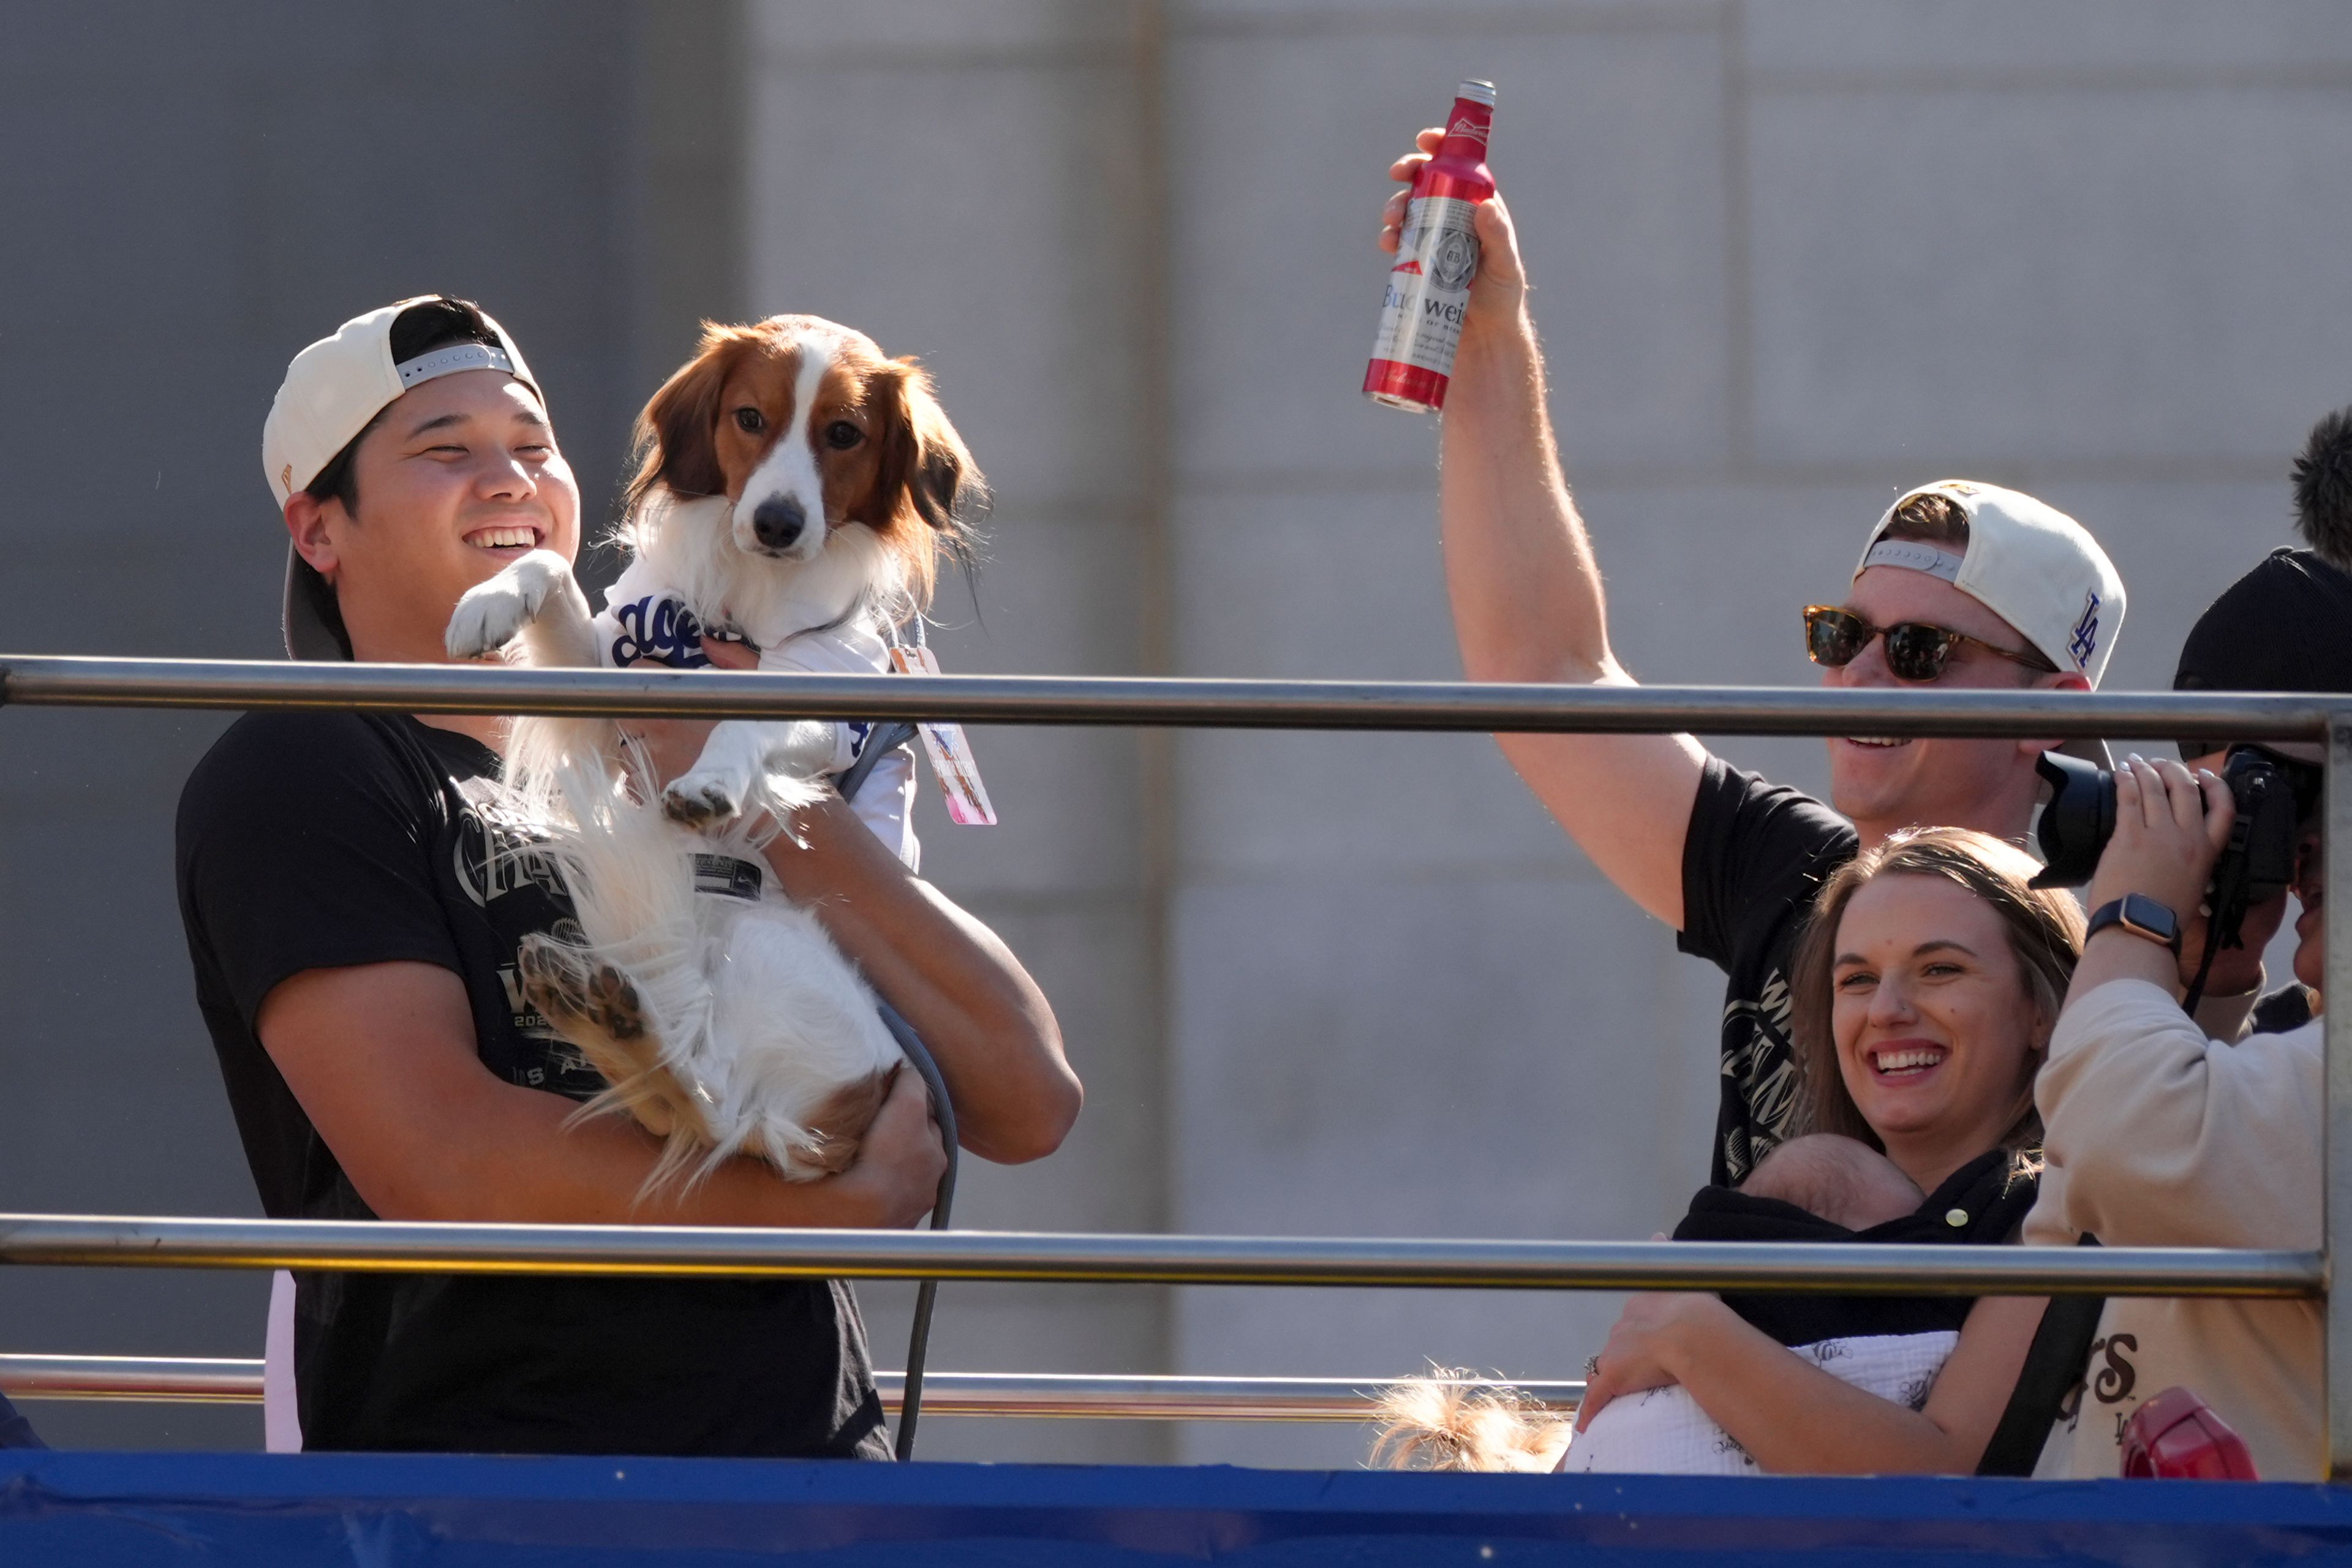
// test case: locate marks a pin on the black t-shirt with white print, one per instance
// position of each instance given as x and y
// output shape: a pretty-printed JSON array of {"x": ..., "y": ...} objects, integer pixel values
[
  {"x": 1754, "y": 856},
  {"x": 324, "y": 840}
]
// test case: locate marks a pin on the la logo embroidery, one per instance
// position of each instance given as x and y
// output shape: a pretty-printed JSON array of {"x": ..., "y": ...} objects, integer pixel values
[{"x": 2085, "y": 640}]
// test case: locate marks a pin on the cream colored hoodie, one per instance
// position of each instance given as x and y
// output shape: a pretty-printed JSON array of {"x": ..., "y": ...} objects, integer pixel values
[{"x": 2159, "y": 1137}]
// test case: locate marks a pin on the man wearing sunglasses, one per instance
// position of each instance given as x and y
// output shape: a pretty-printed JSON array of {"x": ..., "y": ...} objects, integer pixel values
[{"x": 1959, "y": 584}]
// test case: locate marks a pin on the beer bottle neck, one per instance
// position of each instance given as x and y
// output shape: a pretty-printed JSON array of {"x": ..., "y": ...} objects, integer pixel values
[{"x": 1465, "y": 132}]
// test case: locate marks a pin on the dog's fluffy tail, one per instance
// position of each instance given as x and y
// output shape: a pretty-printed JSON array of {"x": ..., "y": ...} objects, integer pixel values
[
  {"x": 629, "y": 872},
  {"x": 1450, "y": 1421}
]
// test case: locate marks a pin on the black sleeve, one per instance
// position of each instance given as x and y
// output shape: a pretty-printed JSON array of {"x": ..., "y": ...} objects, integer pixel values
[
  {"x": 1751, "y": 846},
  {"x": 2283, "y": 1011},
  {"x": 304, "y": 843}
]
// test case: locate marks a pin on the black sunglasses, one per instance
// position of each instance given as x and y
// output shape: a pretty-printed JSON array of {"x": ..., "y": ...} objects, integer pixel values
[{"x": 1916, "y": 651}]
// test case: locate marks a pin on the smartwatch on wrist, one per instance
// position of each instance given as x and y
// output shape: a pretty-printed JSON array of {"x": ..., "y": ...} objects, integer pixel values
[{"x": 2140, "y": 915}]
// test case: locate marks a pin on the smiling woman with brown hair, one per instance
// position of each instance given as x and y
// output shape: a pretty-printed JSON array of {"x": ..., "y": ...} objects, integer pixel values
[
  {"x": 1894, "y": 1093},
  {"x": 1927, "y": 982}
]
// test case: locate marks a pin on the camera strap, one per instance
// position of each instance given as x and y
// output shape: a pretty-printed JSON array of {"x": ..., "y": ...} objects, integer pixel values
[
  {"x": 2227, "y": 924},
  {"x": 2061, "y": 1350}
]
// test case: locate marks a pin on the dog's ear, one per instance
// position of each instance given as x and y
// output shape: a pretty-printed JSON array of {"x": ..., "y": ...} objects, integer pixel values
[
  {"x": 675, "y": 437},
  {"x": 927, "y": 471},
  {"x": 926, "y": 477}
]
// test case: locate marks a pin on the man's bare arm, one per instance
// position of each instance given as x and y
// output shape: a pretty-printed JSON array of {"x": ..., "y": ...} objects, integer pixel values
[
  {"x": 984, "y": 1019},
  {"x": 975, "y": 1006},
  {"x": 1526, "y": 591},
  {"x": 383, "y": 1059}
]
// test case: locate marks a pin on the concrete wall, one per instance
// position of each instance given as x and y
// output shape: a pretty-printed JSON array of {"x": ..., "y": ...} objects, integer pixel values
[{"x": 1790, "y": 259}]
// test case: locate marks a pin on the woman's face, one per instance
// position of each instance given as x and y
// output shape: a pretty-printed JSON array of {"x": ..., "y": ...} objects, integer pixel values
[{"x": 1936, "y": 1036}]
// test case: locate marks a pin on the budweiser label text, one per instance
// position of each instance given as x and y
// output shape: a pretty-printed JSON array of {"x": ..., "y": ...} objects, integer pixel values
[
  {"x": 1429, "y": 288},
  {"x": 1436, "y": 258}
]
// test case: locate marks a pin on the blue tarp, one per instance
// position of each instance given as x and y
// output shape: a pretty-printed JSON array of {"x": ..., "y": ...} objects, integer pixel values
[{"x": 95, "y": 1510}]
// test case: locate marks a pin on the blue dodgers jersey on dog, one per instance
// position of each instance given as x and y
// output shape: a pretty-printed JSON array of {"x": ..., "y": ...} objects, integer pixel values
[
  {"x": 644, "y": 622},
  {"x": 651, "y": 629}
]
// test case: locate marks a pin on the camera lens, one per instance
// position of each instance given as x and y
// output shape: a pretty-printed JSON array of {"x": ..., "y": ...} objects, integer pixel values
[{"x": 2076, "y": 822}]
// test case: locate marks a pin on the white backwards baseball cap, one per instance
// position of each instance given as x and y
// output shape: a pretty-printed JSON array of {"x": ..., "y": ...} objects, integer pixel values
[
  {"x": 332, "y": 390},
  {"x": 2029, "y": 564}
]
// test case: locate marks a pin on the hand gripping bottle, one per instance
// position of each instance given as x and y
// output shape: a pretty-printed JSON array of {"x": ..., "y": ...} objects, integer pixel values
[{"x": 1437, "y": 256}]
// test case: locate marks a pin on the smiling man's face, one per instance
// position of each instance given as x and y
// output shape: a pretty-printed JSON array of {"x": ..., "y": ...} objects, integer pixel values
[
  {"x": 456, "y": 479},
  {"x": 1882, "y": 783}
]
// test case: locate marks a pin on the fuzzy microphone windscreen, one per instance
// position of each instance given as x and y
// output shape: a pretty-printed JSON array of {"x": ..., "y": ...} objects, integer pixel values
[{"x": 2323, "y": 488}]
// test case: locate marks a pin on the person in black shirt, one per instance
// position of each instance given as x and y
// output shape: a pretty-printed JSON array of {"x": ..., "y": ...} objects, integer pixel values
[
  {"x": 1958, "y": 585},
  {"x": 2277, "y": 628},
  {"x": 353, "y": 897}
]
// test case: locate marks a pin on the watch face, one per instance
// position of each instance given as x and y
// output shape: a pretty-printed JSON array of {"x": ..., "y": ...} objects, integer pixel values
[{"x": 2149, "y": 915}]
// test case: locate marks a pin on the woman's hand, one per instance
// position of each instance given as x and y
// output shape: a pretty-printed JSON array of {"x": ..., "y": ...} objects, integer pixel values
[
  {"x": 896, "y": 1177},
  {"x": 2237, "y": 972},
  {"x": 1643, "y": 1348},
  {"x": 2171, "y": 825}
]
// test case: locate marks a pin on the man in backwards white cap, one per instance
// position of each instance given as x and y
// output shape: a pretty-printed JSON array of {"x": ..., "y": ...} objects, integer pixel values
[
  {"x": 354, "y": 900},
  {"x": 1958, "y": 585}
]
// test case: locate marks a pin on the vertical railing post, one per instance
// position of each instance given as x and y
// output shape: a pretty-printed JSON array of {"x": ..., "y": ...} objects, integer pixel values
[{"x": 2336, "y": 1371}]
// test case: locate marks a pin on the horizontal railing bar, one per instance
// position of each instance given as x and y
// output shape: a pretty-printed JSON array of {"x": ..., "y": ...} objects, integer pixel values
[
  {"x": 1079, "y": 1395},
  {"x": 681, "y": 1250},
  {"x": 193, "y": 1380},
  {"x": 66, "y": 681}
]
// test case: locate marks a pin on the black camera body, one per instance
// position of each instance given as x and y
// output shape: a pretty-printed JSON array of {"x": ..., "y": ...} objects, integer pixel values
[{"x": 2273, "y": 793}]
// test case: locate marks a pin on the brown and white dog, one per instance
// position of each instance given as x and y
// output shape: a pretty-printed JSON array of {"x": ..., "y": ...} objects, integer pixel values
[{"x": 794, "y": 489}]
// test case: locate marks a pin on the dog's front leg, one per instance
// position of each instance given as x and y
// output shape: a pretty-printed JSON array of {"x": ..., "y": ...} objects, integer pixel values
[
  {"x": 536, "y": 599},
  {"x": 743, "y": 756}
]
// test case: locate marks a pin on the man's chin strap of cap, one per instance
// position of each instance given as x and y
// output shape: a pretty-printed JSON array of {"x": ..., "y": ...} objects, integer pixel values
[
  {"x": 450, "y": 361},
  {"x": 1915, "y": 555}
]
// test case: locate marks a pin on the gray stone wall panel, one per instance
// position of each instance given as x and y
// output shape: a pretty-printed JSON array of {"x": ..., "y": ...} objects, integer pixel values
[
  {"x": 1613, "y": 141},
  {"x": 2044, "y": 35},
  {"x": 2083, "y": 276}
]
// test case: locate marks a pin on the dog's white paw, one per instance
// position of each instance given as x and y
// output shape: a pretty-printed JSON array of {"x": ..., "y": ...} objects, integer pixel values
[
  {"x": 493, "y": 613},
  {"x": 703, "y": 798}
]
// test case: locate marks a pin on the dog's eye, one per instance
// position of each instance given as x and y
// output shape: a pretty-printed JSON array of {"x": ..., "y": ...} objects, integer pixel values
[
  {"x": 750, "y": 421},
  {"x": 841, "y": 435}
]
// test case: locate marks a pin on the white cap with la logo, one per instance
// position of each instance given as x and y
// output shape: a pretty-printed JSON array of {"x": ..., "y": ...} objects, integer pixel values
[
  {"x": 2029, "y": 564},
  {"x": 2026, "y": 562},
  {"x": 332, "y": 391}
]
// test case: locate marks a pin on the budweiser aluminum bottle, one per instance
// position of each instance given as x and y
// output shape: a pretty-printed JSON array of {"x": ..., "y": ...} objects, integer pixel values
[{"x": 1437, "y": 256}]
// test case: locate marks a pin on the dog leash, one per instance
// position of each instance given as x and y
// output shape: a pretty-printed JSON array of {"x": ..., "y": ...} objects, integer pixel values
[
  {"x": 919, "y": 1338},
  {"x": 880, "y": 745}
]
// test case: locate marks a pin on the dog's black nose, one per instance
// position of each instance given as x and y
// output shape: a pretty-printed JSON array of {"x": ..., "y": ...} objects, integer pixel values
[{"x": 777, "y": 522}]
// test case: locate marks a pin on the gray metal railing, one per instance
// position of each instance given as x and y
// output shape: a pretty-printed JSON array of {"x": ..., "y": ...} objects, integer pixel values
[
  {"x": 1091, "y": 1396},
  {"x": 70, "y": 681},
  {"x": 1306, "y": 705},
  {"x": 418, "y": 1247}
]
